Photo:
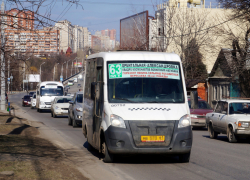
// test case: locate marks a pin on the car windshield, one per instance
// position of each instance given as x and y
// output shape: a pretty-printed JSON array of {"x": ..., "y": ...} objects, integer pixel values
[
  {"x": 31, "y": 93},
  {"x": 201, "y": 105},
  {"x": 145, "y": 82},
  {"x": 64, "y": 100},
  {"x": 47, "y": 91},
  {"x": 239, "y": 108},
  {"x": 79, "y": 98},
  {"x": 26, "y": 97}
]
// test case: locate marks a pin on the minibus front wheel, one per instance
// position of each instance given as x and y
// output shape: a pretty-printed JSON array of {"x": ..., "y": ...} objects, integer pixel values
[
  {"x": 108, "y": 157},
  {"x": 184, "y": 158}
]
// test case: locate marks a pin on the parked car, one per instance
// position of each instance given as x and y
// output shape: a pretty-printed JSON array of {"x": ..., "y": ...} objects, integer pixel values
[
  {"x": 60, "y": 106},
  {"x": 75, "y": 110},
  {"x": 33, "y": 101},
  {"x": 231, "y": 117},
  {"x": 67, "y": 87},
  {"x": 26, "y": 100},
  {"x": 198, "y": 116},
  {"x": 31, "y": 93}
]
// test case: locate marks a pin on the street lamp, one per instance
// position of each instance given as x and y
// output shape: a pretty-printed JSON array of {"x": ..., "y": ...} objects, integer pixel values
[
  {"x": 54, "y": 71},
  {"x": 76, "y": 64},
  {"x": 41, "y": 71},
  {"x": 62, "y": 69},
  {"x": 11, "y": 77}
]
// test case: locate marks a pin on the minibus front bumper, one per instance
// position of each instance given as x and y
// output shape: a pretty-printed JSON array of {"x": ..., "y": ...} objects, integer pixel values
[{"x": 121, "y": 141}]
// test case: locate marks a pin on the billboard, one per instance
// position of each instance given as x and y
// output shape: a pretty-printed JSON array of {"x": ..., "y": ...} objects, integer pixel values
[
  {"x": 135, "y": 32},
  {"x": 34, "y": 78},
  {"x": 79, "y": 64}
]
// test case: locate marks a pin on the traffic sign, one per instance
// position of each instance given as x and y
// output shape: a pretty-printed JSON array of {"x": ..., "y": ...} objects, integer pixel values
[
  {"x": 8, "y": 79},
  {"x": 11, "y": 77},
  {"x": 8, "y": 82}
]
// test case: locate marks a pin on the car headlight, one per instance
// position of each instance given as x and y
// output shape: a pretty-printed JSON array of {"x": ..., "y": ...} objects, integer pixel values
[
  {"x": 184, "y": 121},
  {"x": 79, "y": 109},
  {"x": 24, "y": 101},
  {"x": 117, "y": 121},
  {"x": 56, "y": 107},
  {"x": 243, "y": 124},
  {"x": 41, "y": 103},
  {"x": 193, "y": 116}
]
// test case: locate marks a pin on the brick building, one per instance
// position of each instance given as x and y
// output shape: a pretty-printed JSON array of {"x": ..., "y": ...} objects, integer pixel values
[{"x": 21, "y": 36}]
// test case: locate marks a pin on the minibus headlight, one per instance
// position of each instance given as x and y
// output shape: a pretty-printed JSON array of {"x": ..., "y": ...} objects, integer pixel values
[
  {"x": 184, "y": 121},
  {"x": 117, "y": 121}
]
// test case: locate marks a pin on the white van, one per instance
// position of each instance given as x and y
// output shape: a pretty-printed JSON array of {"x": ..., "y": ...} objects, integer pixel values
[
  {"x": 46, "y": 92},
  {"x": 135, "y": 103}
]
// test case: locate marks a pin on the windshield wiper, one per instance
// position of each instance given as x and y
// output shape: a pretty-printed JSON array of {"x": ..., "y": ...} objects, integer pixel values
[
  {"x": 152, "y": 102},
  {"x": 125, "y": 99}
]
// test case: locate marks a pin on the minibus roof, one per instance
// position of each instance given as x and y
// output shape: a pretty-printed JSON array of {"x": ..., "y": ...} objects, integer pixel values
[
  {"x": 136, "y": 55},
  {"x": 50, "y": 83}
]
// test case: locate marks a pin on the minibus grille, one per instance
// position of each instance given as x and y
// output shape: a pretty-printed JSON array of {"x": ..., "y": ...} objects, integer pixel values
[
  {"x": 48, "y": 103},
  {"x": 152, "y": 128}
]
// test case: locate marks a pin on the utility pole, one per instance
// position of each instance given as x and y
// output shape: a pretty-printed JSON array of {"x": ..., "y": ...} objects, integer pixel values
[
  {"x": 72, "y": 67},
  {"x": 23, "y": 74},
  {"x": 2, "y": 59},
  {"x": 41, "y": 71},
  {"x": 54, "y": 71}
]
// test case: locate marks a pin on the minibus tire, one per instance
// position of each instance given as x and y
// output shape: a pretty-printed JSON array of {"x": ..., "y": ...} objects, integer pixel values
[
  {"x": 184, "y": 158},
  {"x": 108, "y": 157}
]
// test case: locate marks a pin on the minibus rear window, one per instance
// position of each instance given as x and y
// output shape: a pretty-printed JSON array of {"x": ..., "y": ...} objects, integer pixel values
[{"x": 144, "y": 82}]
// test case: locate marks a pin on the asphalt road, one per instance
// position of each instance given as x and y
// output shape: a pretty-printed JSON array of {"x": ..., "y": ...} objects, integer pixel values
[{"x": 210, "y": 159}]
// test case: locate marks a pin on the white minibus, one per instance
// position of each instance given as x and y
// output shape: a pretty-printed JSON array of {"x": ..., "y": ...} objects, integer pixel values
[
  {"x": 135, "y": 102},
  {"x": 70, "y": 82},
  {"x": 46, "y": 92}
]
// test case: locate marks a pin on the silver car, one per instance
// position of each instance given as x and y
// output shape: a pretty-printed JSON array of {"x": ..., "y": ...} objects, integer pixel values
[
  {"x": 60, "y": 106},
  {"x": 75, "y": 110}
]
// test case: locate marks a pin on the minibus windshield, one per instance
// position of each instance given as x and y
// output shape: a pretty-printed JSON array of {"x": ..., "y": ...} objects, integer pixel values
[
  {"x": 51, "y": 91},
  {"x": 144, "y": 82}
]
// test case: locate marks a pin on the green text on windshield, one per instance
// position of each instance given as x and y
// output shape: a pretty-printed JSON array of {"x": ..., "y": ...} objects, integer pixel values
[{"x": 144, "y": 82}]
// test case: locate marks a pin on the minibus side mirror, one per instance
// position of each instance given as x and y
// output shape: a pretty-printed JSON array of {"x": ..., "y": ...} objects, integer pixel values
[
  {"x": 37, "y": 92},
  {"x": 93, "y": 84},
  {"x": 71, "y": 102}
]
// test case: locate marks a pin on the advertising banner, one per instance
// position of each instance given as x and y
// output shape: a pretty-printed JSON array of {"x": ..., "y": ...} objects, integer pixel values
[
  {"x": 79, "y": 64},
  {"x": 34, "y": 77},
  {"x": 147, "y": 70}
]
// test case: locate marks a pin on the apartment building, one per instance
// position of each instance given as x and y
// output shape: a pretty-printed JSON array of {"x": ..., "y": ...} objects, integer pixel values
[
  {"x": 107, "y": 37},
  {"x": 21, "y": 37},
  {"x": 16, "y": 19},
  {"x": 66, "y": 35},
  {"x": 95, "y": 42},
  {"x": 166, "y": 34}
]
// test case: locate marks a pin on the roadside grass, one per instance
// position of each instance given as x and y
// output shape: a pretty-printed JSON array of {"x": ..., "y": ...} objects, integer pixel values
[{"x": 29, "y": 156}]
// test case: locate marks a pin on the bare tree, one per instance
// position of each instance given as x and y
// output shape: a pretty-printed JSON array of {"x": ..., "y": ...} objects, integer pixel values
[
  {"x": 176, "y": 28},
  {"x": 237, "y": 36}
]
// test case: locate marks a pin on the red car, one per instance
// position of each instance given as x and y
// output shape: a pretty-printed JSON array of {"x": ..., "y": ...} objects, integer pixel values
[
  {"x": 26, "y": 100},
  {"x": 198, "y": 116}
]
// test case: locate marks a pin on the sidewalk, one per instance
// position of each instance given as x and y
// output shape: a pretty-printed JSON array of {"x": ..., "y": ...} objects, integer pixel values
[{"x": 24, "y": 154}]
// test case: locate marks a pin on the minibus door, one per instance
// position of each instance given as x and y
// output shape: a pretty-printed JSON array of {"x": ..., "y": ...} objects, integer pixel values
[{"x": 98, "y": 107}]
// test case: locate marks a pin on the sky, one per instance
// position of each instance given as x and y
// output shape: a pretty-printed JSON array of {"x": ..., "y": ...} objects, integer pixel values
[{"x": 96, "y": 15}]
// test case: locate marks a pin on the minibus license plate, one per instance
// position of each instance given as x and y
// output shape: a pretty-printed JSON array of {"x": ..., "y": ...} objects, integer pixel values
[{"x": 152, "y": 138}]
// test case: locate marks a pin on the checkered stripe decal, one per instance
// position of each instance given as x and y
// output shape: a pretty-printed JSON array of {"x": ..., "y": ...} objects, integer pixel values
[{"x": 151, "y": 108}]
